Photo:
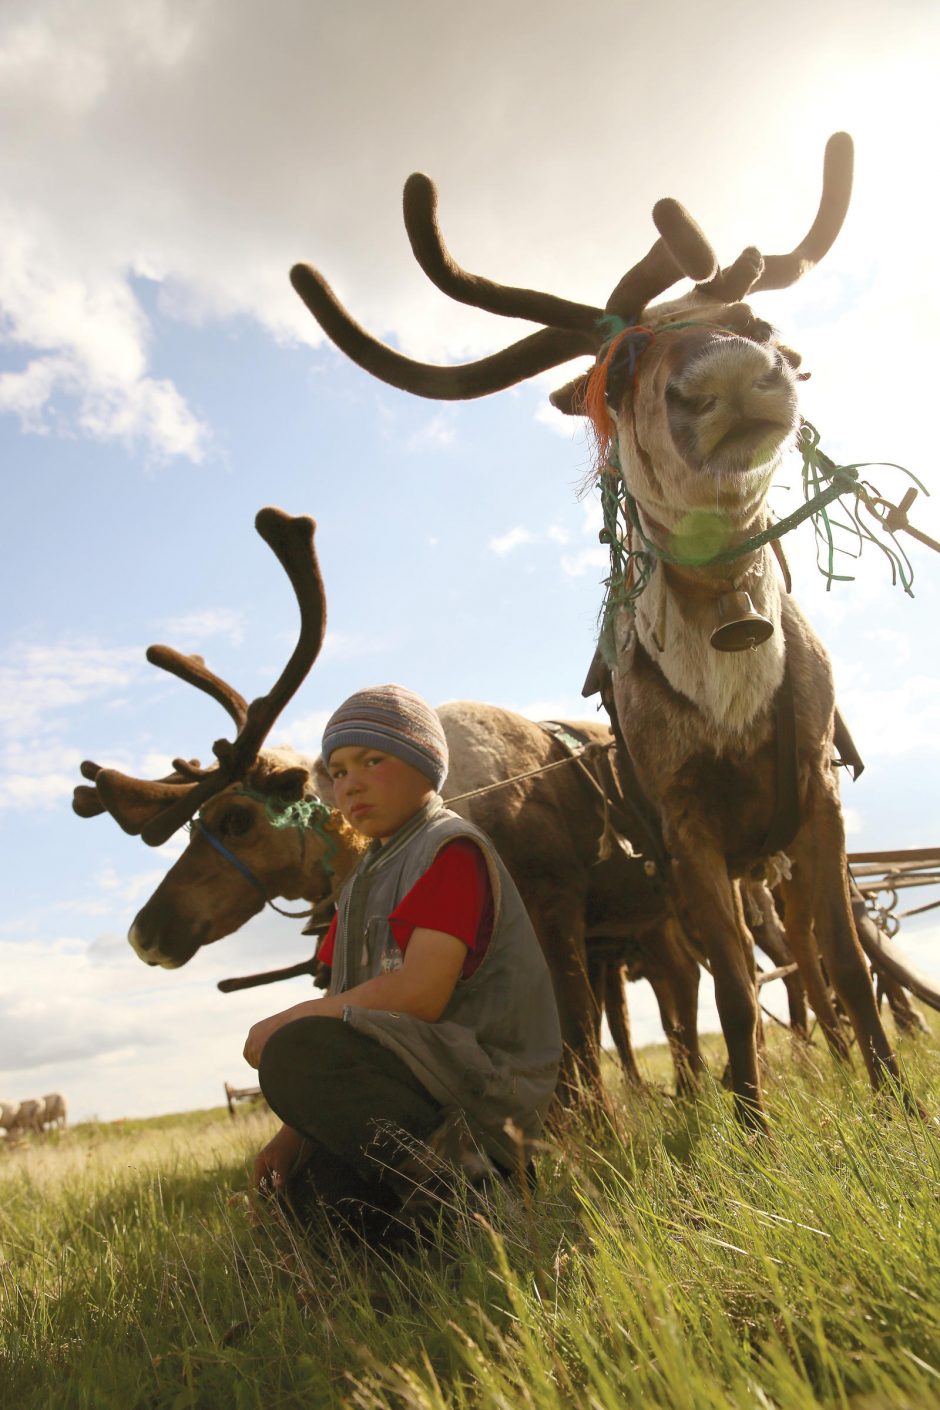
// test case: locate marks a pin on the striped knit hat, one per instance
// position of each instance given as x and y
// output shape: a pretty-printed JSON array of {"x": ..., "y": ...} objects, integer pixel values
[{"x": 393, "y": 719}]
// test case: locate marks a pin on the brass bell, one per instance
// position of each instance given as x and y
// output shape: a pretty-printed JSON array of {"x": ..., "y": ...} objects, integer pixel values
[{"x": 739, "y": 626}]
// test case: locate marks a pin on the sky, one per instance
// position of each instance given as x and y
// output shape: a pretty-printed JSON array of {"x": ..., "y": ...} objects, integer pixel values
[{"x": 163, "y": 166}]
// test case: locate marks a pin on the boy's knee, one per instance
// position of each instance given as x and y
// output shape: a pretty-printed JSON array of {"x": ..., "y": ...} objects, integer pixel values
[
  {"x": 295, "y": 1061},
  {"x": 280, "y": 1070}
]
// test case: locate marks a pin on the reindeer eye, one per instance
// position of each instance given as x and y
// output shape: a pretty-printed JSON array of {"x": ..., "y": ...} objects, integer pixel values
[
  {"x": 771, "y": 378},
  {"x": 235, "y": 822}
]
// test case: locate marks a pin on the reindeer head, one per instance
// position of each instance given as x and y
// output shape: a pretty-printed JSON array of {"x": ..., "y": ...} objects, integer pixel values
[
  {"x": 239, "y": 799},
  {"x": 290, "y": 842},
  {"x": 697, "y": 393}
]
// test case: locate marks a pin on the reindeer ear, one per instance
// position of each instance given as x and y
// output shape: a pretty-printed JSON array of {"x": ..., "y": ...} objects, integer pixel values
[
  {"x": 569, "y": 399},
  {"x": 290, "y": 783},
  {"x": 323, "y": 783}
]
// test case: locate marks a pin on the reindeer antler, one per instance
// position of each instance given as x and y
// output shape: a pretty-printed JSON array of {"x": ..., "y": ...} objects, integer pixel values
[
  {"x": 154, "y": 809},
  {"x": 681, "y": 250},
  {"x": 194, "y": 671},
  {"x": 571, "y": 329},
  {"x": 752, "y": 272},
  {"x": 419, "y": 204},
  {"x": 537, "y": 353},
  {"x": 780, "y": 271}
]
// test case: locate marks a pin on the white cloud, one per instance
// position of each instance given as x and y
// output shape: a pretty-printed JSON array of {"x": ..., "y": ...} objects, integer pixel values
[
  {"x": 505, "y": 543},
  {"x": 575, "y": 565},
  {"x": 305, "y": 732},
  {"x": 346, "y": 646},
  {"x": 119, "y": 1038},
  {"x": 39, "y": 682},
  {"x": 190, "y": 628},
  {"x": 42, "y": 787},
  {"x": 96, "y": 380},
  {"x": 557, "y": 534},
  {"x": 890, "y": 721},
  {"x": 437, "y": 434},
  {"x": 570, "y": 428},
  {"x": 43, "y": 689},
  {"x": 205, "y": 148}
]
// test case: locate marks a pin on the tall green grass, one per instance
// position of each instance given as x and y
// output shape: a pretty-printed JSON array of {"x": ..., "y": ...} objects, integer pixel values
[{"x": 663, "y": 1259}]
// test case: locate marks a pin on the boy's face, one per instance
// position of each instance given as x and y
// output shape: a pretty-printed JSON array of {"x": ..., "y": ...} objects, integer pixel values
[{"x": 376, "y": 792}]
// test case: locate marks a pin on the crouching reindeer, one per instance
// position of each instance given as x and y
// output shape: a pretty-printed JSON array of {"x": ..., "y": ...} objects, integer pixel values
[
  {"x": 692, "y": 402},
  {"x": 264, "y": 827}
]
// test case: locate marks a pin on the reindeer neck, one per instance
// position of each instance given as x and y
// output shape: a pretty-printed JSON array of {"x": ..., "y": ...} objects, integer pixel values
[
  {"x": 675, "y": 617},
  {"x": 349, "y": 851}
]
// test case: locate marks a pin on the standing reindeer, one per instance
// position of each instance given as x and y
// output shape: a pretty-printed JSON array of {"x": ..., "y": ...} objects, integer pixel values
[{"x": 695, "y": 399}]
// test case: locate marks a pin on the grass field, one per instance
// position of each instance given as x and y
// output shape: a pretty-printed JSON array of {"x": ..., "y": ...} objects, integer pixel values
[{"x": 663, "y": 1260}]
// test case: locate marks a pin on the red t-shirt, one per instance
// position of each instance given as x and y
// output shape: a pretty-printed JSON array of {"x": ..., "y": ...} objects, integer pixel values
[{"x": 454, "y": 896}]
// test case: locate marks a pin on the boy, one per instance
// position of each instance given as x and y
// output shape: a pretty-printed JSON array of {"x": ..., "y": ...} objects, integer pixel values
[{"x": 440, "y": 1023}]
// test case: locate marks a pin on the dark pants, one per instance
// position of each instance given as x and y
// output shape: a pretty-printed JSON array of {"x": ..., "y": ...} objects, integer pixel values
[{"x": 357, "y": 1104}]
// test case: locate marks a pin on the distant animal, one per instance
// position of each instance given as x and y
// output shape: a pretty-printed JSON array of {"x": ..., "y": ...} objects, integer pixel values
[
  {"x": 30, "y": 1115},
  {"x": 8, "y": 1114},
  {"x": 55, "y": 1112}
]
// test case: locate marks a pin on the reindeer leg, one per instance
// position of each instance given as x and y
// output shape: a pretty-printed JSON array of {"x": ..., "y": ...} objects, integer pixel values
[
  {"x": 608, "y": 987},
  {"x": 747, "y": 942},
  {"x": 772, "y": 939},
  {"x": 819, "y": 852},
  {"x": 560, "y": 931},
  {"x": 709, "y": 910},
  {"x": 798, "y": 910},
  {"x": 907, "y": 1018},
  {"x": 674, "y": 977},
  {"x": 618, "y": 1020}
]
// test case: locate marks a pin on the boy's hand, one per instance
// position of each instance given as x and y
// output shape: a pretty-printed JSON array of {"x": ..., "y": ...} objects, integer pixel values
[
  {"x": 258, "y": 1035},
  {"x": 274, "y": 1165}
]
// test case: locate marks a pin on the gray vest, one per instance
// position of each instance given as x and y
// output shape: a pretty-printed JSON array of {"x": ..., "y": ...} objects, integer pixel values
[{"x": 494, "y": 1051}]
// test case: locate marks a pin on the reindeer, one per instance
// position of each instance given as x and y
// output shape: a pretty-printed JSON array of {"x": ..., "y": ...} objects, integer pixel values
[
  {"x": 265, "y": 826},
  {"x": 29, "y": 1117},
  {"x": 55, "y": 1111},
  {"x": 661, "y": 956},
  {"x": 9, "y": 1111},
  {"x": 695, "y": 400}
]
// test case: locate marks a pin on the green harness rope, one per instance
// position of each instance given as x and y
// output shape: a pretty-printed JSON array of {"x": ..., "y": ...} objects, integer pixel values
[
  {"x": 824, "y": 482},
  {"x": 303, "y": 814}
]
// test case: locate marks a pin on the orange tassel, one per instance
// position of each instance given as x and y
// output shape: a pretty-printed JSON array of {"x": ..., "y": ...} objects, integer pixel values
[{"x": 595, "y": 397}]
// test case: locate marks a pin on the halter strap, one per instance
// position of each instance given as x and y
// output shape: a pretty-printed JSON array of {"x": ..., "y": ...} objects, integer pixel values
[
  {"x": 249, "y": 875},
  {"x": 223, "y": 851}
]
